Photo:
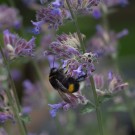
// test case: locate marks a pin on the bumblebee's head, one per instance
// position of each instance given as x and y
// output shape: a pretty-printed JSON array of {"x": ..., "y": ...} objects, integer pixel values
[{"x": 53, "y": 70}]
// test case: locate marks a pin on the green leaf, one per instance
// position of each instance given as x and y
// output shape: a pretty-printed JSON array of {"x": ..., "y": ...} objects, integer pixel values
[
  {"x": 88, "y": 108},
  {"x": 104, "y": 98},
  {"x": 25, "y": 118}
]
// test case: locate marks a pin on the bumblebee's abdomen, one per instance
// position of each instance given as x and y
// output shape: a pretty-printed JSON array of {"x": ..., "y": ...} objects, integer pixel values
[
  {"x": 65, "y": 84},
  {"x": 71, "y": 88},
  {"x": 73, "y": 85}
]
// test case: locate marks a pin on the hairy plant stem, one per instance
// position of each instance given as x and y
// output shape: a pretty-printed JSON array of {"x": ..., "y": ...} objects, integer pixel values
[
  {"x": 14, "y": 102},
  {"x": 98, "y": 110},
  {"x": 76, "y": 25},
  {"x": 97, "y": 107}
]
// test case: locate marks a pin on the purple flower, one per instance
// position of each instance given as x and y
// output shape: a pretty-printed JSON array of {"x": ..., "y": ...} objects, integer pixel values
[
  {"x": 96, "y": 13},
  {"x": 17, "y": 46},
  {"x": 122, "y": 33},
  {"x": 50, "y": 16},
  {"x": 66, "y": 48},
  {"x": 99, "y": 81},
  {"x": 58, "y": 3},
  {"x": 82, "y": 6},
  {"x": 75, "y": 64},
  {"x": 55, "y": 108},
  {"x": 110, "y": 76},
  {"x": 110, "y": 84},
  {"x": 116, "y": 84},
  {"x": 78, "y": 71},
  {"x": 9, "y": 17},
  {"x": 5, "y": 117},
  {"x": 66, "y": 45},
  {"x": 52, "y": 61},
  {"x": 105, "y": 42},
  {"x": 111, "y": 3},
  {"x": 76, "y": 99},
  {"x": 37, "y": 25}
]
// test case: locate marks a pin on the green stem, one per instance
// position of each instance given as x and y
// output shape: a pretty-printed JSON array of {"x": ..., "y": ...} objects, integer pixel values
[
  {"x": 77, "y": 26},
  {"x": 98, "y": 110},
  {"x": 15, "y": 104}
]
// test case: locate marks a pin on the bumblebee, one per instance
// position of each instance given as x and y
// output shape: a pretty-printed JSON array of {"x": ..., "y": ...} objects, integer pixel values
[{"x": 65, "y": 85}]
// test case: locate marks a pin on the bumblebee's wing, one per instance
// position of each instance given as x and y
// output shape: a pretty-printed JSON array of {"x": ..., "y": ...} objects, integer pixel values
[
  {"x": 61, "y": 91},
  {"x": 61, "y": 86},
  {"x": 66, "y": 96}
]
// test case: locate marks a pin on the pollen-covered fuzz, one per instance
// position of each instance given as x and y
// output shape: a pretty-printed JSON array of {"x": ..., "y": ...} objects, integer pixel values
[
  {"x": 105, "y": 42},
  {"x": 66, "y": 48},
  {"x": 50, "y": 16},
  {"x": 109, "y": 84},
  {"x": 16, "y": 46},
  {"x": 75, "y": 100},
  {"x": 9, "y": 17}
]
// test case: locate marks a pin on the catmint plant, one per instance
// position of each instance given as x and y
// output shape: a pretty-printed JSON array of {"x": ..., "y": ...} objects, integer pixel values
[
  {"x": 72, "y": 60},
  {"x": 9, "y": 17},
  {"x": 17, "y": 46}
]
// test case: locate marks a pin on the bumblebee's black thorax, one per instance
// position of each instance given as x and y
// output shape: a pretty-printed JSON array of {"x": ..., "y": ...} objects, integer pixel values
[
  {"x": 54, "y": 76},
  {"x": 60, "y": 81}
]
